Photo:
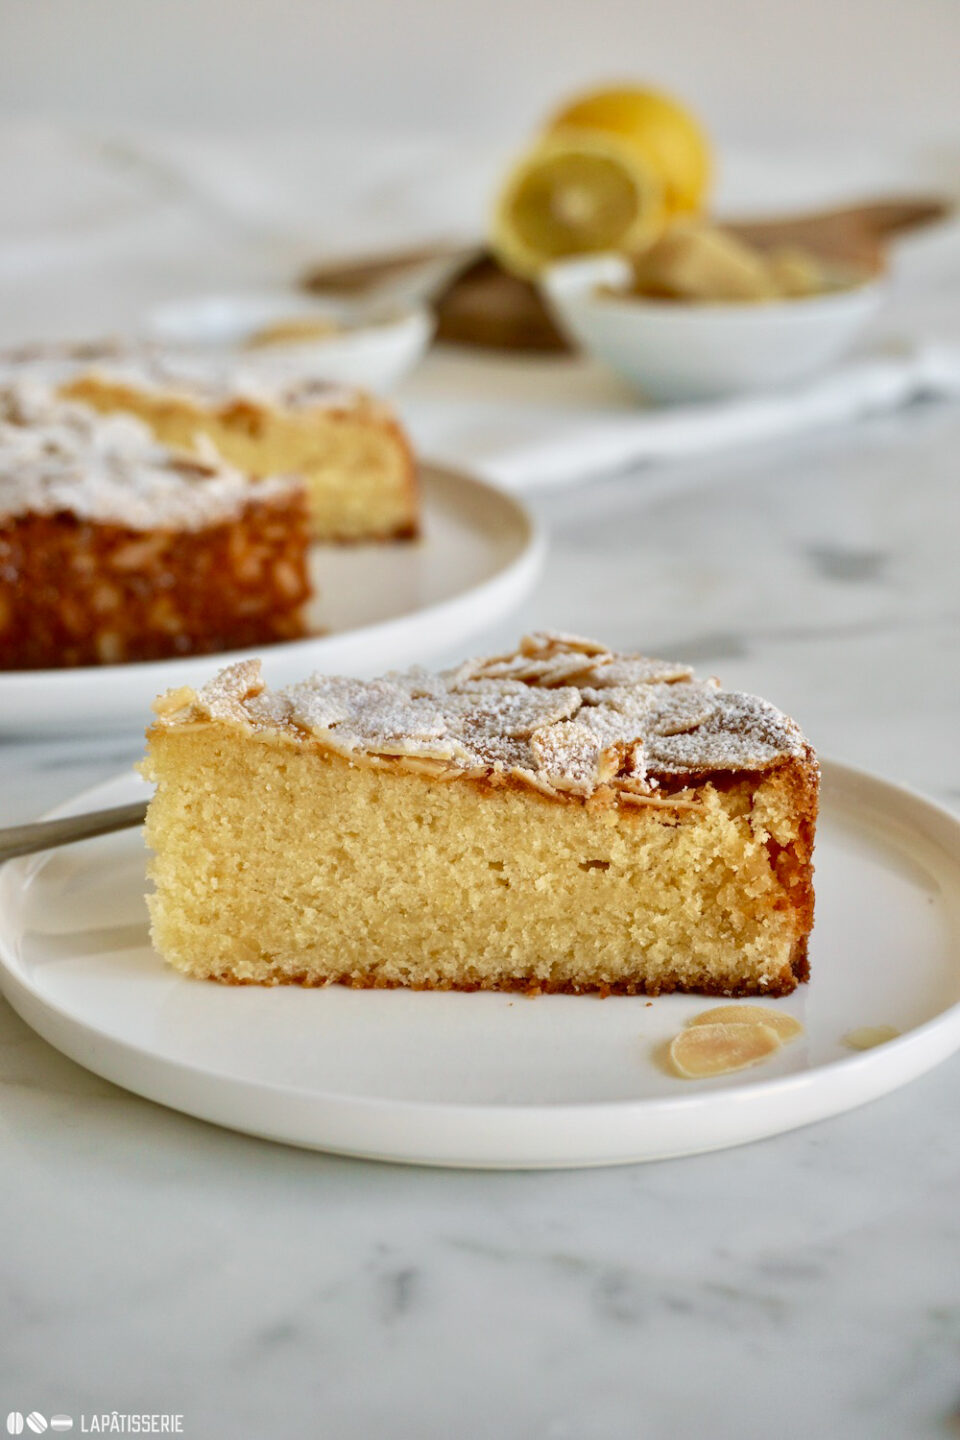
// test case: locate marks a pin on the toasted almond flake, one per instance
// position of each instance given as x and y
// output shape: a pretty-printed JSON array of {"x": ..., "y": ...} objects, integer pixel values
[
  {"x": 865, "y": 1037},
  {"x": 786, "y": 1026},
  {"x": 659, "y": 802},
  {"x": 418, "y": 766},
  {"x": 702, "y": 1051},
  {"x": 174, "y": 700},
  {"x": 539, "y": 640}
]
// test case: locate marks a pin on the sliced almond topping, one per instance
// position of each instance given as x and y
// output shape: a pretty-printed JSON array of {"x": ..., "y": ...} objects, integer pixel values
[
  {"x": 705, "y": 1050},
  {"x": 866, "y": 1036},
  {"x": 787, "y": 1027},
  {"x": 562, "y": 716},
  {"x": 174, "y": 700}
]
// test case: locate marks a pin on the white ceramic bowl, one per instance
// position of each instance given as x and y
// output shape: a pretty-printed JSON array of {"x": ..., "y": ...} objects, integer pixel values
[
  {"x": 676, "y": 351},
  {"x": 376, "y": 347}
]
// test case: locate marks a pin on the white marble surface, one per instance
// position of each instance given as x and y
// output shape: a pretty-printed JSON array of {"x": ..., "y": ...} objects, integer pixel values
[{"x": 805, "y": 1286}]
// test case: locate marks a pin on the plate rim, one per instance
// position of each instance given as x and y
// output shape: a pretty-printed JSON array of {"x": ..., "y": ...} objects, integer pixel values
[{"x": 849, "y": 778}]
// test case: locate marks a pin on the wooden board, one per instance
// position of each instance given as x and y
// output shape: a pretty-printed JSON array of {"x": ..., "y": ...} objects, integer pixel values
[{"x": 484, "y": 306}]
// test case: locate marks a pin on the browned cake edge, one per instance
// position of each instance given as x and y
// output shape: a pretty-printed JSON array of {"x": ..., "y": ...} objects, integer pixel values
[{"x": 141, "y": 595}]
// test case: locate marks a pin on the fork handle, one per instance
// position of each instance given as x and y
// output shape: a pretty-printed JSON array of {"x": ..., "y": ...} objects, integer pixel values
[{"x": 47, "y": 834}]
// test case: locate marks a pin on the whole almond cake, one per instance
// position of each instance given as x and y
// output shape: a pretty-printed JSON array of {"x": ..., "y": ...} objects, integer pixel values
[
  {"x": 115, "y": 548},
  {"x": 558, "y": 818}
]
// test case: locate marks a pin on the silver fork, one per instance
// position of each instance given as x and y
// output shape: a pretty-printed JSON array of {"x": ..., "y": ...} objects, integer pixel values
[{"x": 47, "y": 834}]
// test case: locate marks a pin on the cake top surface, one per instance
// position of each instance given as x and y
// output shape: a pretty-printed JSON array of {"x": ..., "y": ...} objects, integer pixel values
[
  {"x": 204, "y": 375},
  {"x": 212, "y": 378},
  {"x": 560, "y": 714},
  {"x": 57, "y": 456}
]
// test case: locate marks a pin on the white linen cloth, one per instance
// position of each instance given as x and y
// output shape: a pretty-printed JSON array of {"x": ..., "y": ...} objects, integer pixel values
[{"x": 529, "y": 443}]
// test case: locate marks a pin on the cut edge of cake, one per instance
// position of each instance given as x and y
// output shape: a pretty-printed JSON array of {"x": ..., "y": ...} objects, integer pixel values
[{"x": 349, "y": 447}]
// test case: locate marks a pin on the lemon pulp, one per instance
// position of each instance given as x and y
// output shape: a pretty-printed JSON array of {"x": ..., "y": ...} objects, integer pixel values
[{"x": 573, "y": 194}]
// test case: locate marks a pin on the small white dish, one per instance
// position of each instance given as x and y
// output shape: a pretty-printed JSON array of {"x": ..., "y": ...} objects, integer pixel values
[
  {"x": 375, "y": 346},
  {"x": 674, "y": 351},
  {"x": 380, "y": 607},
  {"x": 491, "y": 1080}
]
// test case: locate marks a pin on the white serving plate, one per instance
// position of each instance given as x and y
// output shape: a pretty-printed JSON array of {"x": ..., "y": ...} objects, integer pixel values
[
  {"x": 676, "y": 352},
  {"x": 495, "y": 1080},
  {"x": 381, "y": 606},
  {"x": 378, "y": 345}
]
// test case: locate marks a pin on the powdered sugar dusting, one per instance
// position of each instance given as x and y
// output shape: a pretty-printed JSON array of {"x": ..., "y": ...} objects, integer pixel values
[
  {"x": 201, "y": 374},
  {"x": 484, "y": 719},
  {"x": 741, "y": 732},
  {"x": 58, "y": 456}
]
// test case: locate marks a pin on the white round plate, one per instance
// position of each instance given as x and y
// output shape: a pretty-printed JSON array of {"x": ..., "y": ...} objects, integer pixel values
[
  {"x": 495, "y": 1080},
  {"x": 375, "y": 348},
  {"x": 380, "y": 607}
]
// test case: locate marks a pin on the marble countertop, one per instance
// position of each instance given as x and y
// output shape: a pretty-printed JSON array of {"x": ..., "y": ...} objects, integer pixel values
[{"x": 803, "y": 1286}]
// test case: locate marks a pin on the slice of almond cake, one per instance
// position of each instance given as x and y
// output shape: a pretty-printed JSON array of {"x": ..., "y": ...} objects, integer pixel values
[{"x": 559, "y": 818}]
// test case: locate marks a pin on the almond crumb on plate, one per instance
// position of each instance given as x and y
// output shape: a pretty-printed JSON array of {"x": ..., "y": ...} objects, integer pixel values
[
  {"x": 865, "y": 1037},
  {"x": 787, "y": 1027},
  {"x": 702, "y": 1051}
]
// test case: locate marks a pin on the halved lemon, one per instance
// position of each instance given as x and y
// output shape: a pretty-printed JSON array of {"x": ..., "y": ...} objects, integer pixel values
[
  {"x": 659, "y": 128},
  {"x": 574, "y": 193}
]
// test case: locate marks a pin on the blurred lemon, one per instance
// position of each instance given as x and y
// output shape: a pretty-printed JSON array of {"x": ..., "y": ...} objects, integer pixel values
[
  {"x": 661, "y": 131},
  {"x": 575, "y": 192}
]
